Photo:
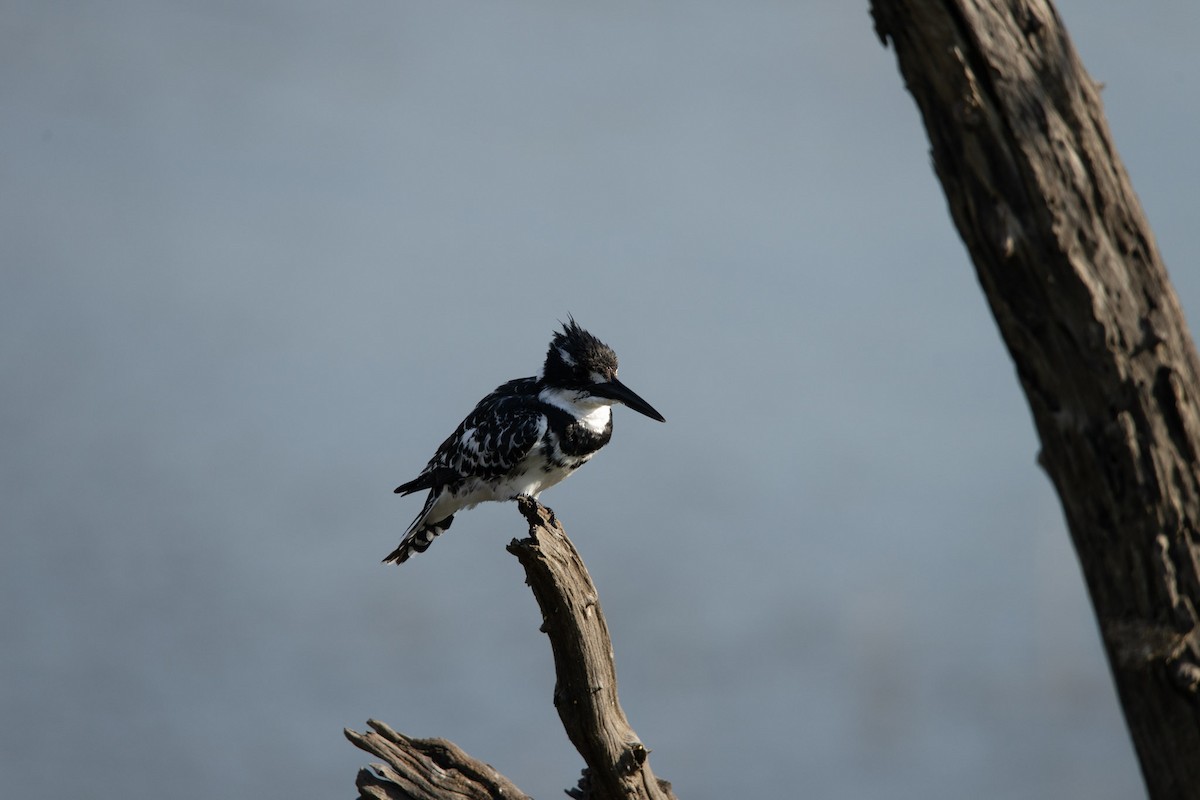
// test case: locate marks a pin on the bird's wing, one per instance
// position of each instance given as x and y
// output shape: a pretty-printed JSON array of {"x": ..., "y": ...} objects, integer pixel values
[{"x": 491, "y": 441}]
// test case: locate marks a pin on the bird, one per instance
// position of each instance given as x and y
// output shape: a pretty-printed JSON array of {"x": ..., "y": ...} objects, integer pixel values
[{"x": 524, "y": 437}]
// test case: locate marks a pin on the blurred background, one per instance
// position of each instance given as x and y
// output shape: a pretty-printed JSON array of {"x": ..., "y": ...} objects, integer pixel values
[{"x": 260, "y": 257}]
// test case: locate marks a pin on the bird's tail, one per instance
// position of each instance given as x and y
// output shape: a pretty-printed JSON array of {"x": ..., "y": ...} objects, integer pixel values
[
  {"x": 418, "y": 540},
  {"x": 420, "y": 534}
]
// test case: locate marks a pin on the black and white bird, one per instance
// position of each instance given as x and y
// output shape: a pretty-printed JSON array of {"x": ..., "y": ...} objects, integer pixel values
[{"x": 524, "y": 437}]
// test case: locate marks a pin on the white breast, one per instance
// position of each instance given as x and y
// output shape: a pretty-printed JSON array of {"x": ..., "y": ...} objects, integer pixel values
[
  {"x": 597, "y": 419},
  {"x": 594, "y": 412}
]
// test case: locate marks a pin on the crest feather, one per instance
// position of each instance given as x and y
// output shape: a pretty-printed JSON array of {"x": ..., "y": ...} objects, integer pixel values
[{"x": 574, "y": 355}]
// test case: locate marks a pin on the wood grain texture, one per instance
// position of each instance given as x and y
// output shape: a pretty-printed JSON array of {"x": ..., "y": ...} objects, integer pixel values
[
  {"x": 585, "y": 695},
  {"x": 425, "y": 769},
  {"x": 1074, "y": 279}
]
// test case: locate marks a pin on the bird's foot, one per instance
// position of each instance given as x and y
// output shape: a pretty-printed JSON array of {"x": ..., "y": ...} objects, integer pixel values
[{"x": 531, "y": 505}]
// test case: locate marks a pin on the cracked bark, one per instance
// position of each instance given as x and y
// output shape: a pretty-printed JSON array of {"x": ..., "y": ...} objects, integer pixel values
[
  {"x": 1074, "y": 279},
  {"x": 585, "y": 695}
]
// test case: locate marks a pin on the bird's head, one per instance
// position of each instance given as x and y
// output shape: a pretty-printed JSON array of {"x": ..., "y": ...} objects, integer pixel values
[{"x": 578, "y": 361}]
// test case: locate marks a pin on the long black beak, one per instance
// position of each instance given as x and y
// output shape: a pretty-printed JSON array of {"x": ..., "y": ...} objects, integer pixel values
[{"x": 615, "y": 390}]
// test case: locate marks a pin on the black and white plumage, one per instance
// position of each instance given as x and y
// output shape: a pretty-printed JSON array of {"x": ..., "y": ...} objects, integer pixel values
[{"x": 524, "y": 437}]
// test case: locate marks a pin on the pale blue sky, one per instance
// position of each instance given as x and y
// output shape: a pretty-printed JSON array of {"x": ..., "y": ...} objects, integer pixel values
[{"x": 261, "y": 257}]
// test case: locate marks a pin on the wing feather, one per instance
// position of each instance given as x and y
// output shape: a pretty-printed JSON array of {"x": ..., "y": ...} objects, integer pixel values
[{"x": 493, "y": 439}]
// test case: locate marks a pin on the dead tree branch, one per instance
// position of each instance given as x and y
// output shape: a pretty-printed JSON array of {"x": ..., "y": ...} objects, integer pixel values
[
  {"x": 586, "y": 690},
  {"x": 425, "y": 769},
  {"x": 1069, "y": 266},
  {"x": 585, "y": 696}
]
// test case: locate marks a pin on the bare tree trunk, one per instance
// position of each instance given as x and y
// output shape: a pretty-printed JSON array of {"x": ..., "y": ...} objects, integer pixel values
[
  {"x": 585, "y": 696},
  {"x": 1080, "y": 294}
]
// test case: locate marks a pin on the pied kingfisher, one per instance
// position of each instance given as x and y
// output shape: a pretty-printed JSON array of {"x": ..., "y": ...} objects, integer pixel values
[{"x": 524, "y": 437}]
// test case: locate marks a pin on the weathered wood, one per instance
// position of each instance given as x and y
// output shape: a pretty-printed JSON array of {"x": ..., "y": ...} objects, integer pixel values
[
  {"x": 585, "y": 695},
  {"x": 425, "y": 769},
  {"x": 586, "y": 690},
  {"x": 1069, "y": 265}
]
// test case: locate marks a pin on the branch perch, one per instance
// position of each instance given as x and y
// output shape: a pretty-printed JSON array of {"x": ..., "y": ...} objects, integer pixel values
[
  {"x": 586, "y": 690},
  {"x": 585, "y": 695}
]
